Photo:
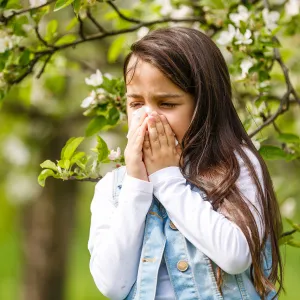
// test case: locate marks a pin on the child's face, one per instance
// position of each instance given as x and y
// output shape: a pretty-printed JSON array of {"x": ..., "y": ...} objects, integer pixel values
[{"x": 148, "y": 86}]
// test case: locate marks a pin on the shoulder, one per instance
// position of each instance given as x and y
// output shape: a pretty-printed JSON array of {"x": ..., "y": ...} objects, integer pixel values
[
  {"x": 245, "y": 178},
  {"x": 105, "y": 184},
  {"x": 253, "y": 158}
]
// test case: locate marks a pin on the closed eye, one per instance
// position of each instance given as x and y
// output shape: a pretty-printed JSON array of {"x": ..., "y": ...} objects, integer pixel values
[{"x": 165, "y": 104}]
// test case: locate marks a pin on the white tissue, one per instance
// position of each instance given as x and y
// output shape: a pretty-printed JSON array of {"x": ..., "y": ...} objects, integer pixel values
[{"x": 137, "y": 115}]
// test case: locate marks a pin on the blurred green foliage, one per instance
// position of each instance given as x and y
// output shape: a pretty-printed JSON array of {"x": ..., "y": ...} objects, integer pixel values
[{"x": 62, "y": 44}]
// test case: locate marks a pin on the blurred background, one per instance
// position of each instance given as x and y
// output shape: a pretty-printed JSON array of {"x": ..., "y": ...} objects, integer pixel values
[{"x": 43, "y": 230}]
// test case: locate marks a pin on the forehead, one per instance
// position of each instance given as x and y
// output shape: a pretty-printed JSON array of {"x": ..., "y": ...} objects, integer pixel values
[{"x": 141, "y": 73}]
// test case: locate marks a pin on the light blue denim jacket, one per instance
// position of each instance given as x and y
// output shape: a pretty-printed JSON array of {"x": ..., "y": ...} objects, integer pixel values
[{"x": 192, "y": 273}]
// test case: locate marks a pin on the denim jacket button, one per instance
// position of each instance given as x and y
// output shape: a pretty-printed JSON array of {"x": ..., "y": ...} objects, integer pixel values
[
  {"x": 182, "y": 265},
  {"x": 172, "y": 226}
]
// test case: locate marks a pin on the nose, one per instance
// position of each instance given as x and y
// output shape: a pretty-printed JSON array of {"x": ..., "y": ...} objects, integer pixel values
[{"x": 153, "y": 107}]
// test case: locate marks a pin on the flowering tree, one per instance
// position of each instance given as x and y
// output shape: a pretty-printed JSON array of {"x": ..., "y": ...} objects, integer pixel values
[{"x": 249, "y": 33}]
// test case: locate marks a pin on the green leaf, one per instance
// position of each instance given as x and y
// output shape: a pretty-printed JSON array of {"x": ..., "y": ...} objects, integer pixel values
[
  {"x": 51, "y": 30},
  {"x": 284, "y": 240},
  {"x": 37, "y": 14},
  {"x": 288, "y": 138},
  {"x": 18, "y": 25},
  {"x": 66, "y": 39},
  {"x": 269, "y": 152},
  {"x": 3, "y": 3},
  {"x": 294, "y": 225},
  {"x": 95, "y": 125},
  {"x": 263, "y": 75},
  {"x": 44, "y": 175},
  {"x": 61, "y": 4},
  {"x": 294, "y": 243},
  {"x": 113, "y": 116},
  {"x": 217, "y": 4},
  {"x": 48, "y": 164},
  {"x": 116, "y": 48},
  {"x": 81, "y": 163},
  {"x": 76, "y": 6},
  {"x": 72, "y": 24},
  {"x": 70, "y": 147},
  {"x": 65, "y": 164},
  {"x": 24, "y": 57},
  {"x": 76, "y": 157},
  {"x": 102, "y": 149},
  {"x": 10, "y": 4}
]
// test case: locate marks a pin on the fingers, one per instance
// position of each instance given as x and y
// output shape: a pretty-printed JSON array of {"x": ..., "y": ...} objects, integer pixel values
[
  {"x": 154, "y": 138},
  {"x": 135, "y": 123},
  {"x": 169, "y": 134},
  {"x": 147, "y": 146},
  {"x": 160, "y": 130},
  {"x": 137, "y": 138}
]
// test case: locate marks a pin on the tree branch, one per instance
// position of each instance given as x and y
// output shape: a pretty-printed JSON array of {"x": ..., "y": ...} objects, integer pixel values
[
  {"x": 122, "y": 16},
  {"x": 85, "y": 179},
  {"x": 285, "y": 100},
  {"x": 90, "y": 16},
  {"x": 97, "y": 36},
  {"x": 44, "y": 66},
  {"x": 4, "y": 19},
  {"x": 40, "y": 38},
  {"x": 81, "y": 29},
  {"x": 288, "y": 233}
]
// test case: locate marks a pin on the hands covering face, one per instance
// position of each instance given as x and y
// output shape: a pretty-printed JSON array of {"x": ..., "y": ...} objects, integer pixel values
[{"x": 159, "y": 147}]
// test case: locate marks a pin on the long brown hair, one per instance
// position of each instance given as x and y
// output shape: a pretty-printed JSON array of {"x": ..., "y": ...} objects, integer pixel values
[{"x": 192, "y": 61}]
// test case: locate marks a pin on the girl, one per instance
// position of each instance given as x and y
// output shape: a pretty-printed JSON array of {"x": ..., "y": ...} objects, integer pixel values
[{"x": 198, "y": 220}]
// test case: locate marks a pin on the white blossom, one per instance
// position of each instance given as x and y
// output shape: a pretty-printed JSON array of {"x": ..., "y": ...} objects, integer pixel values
[
  {"x": 182, "y": 12},
  {"x": 82, "y": 13},
  {"x": 226, "y": 37},
  {"x": 245, "y": 65},
  {"x": 95, "y": 79},
  {"x": 7, "y": 13},
  {"x": 15, "y": 151},
  {"x": 27, "y": 27},
  {"x": 6, "y": 43},
  {"x": 101, "y": 94},
  {"x": 89, "y": 100},
  {"x": 107, "y": 75},
  {"x": 292, "y": 7},
  {"x": 27, "y": 189},
  {"x": 243, "y": 38},
  {"x": 288, "y": 207},
  {"x": 166, "y": 7},
  {"x": 270, "y": 18},
  {"x": 142, "y": 32},
  {"x": 241, "y": 15},
  {"x": 35, "y": 3},
  {"x": 114, "y": 154}
]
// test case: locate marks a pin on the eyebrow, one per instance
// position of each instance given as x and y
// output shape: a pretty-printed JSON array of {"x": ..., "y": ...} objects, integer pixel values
[{"x": 157, "y": 96}]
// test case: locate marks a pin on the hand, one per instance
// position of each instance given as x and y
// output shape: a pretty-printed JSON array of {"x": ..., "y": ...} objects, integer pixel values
[
  {"x": 159, "y": 147},
  {"x": 133, "y": 154}
]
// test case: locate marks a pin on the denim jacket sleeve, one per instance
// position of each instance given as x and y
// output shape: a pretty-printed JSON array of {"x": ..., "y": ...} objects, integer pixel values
[{"x": 116, "y": 234}]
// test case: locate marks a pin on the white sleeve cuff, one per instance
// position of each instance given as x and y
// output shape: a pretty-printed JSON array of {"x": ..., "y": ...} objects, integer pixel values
[
  {"x": 165, "y": 173},
  {"x": 134, "y": 184}
]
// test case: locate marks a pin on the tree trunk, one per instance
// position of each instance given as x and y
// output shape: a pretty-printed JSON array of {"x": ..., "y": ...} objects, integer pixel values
[{"x": 47, "y": 229}]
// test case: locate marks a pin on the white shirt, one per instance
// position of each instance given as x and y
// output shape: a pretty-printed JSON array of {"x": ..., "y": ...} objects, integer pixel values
[{"x": 116, "y": 233}]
